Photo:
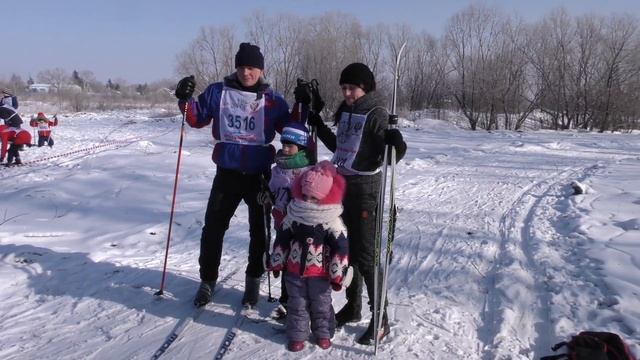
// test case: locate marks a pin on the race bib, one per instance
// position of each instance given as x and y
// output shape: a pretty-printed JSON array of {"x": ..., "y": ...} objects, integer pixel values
[
  {"x": 348, "y": 139},
  {"x": 43, "y": 126},
  {"x": 241, "y": 117}
]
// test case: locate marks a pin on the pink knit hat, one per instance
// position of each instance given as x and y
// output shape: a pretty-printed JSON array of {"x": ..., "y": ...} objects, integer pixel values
[{"x": 316, "y": 182}]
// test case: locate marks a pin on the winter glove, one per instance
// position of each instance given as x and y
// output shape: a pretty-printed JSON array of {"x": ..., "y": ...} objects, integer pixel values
[
  {"x": 302, "y": 94},
  {"x": 318, "y": 103},
  {"x": 265, "y": 198},
  {"x": 314, "y": 120},
  {"x": 393, "y": 137},
  {"x": 185, "y": 88},
  {"x": 345, "y": 281}
]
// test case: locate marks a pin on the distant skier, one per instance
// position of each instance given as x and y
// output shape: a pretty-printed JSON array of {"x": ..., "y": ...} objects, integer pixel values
[
  {"x": 312, "y": 248},
  {"x": 245, "y": 114},
  {"x": 8, "y": 99},
  {"x": 15, "y": 139},
  {"x": 358, "y": 148},
  {"x": 44, "y": 128},
  {"x": 294, "y": 158},
  {"x": 12, "y": 136}
]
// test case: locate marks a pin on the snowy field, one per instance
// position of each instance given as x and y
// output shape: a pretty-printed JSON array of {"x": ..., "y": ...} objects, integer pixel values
[{"x": 494, "y": 257}]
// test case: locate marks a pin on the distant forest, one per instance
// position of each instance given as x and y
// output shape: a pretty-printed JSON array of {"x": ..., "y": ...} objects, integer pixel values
[{"x": 493, "y": 68}]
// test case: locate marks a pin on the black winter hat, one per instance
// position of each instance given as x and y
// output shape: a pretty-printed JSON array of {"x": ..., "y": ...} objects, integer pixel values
[
  {"x": 360, "y": 75},
  {"x": 249, "y": 55}
]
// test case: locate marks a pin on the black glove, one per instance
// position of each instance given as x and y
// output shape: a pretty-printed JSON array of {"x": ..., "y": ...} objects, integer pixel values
[
  {"x": 185, "y": 88},
  {"x": 314, "y": 120},
  {"x": 302, "y": 92},
  {"x": 393, "y": 137},
  {"x": 318, "y": 103}
]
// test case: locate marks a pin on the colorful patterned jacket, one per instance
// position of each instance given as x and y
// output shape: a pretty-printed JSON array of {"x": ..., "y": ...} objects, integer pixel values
[{"x": 313, "y": 238}]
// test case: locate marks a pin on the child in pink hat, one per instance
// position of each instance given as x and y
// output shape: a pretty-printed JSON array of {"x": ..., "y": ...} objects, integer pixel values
[{"x": 312, "y": 248}]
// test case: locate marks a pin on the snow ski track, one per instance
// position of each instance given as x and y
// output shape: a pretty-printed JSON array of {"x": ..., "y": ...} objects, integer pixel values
[
  {"x": 517, "y": 293},
  {"x": 33, "y": 165}
]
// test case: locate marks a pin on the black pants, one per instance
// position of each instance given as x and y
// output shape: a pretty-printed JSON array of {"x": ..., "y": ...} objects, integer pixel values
[
  {"x": 13, "y": 153},
  {"x": 229, "y": 188},
  {"x": 45, "y": 139},
  {"x": 360, "y": 210}
]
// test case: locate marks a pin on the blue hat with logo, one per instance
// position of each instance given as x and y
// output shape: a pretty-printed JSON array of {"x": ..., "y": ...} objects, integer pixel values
[{"x": 295, "y": 133}]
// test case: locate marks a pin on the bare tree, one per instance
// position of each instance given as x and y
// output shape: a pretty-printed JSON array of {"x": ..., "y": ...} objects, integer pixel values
[
  {"x": 17, "y": 84},
  {"x": 331, "y": 42},
  {"x": 210, "y": 56},
  {"x": 280, "y": 39},
  {"x": 55, "y": 77},
  {"x": 619, "y": 68},
  {"x": 469, "y": 39},
  {"x": 426, "y": 67}
]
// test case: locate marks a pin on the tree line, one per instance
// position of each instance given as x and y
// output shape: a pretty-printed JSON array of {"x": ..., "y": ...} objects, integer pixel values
[
  {"x": 498, "y": 71},
  {"x": 80, "y": 90}
]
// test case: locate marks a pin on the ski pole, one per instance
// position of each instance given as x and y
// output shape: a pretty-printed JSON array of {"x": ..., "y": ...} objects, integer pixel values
[
  {"x": 314, "y": 133},
  {"x": 173, "y": 202},
  {"x": 391, "y": 151},
  {"x": 267, "y": 233}
]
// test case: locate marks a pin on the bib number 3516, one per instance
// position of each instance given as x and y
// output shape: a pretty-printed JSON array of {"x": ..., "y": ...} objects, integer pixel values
[{"x": 241, "y": 122}]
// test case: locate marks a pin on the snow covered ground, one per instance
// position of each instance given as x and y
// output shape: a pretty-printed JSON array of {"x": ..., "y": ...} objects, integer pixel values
[{"x": 494, "y": 257}]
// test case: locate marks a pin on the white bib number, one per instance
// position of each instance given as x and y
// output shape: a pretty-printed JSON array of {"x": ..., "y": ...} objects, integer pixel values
[
  {"x": 241, "y": 117},
  {"x": 43, "y": 126},
  {"x": 348, "y": 139}
]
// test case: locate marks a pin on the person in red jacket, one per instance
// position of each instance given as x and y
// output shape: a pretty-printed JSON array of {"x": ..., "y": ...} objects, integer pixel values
[
  {"x": 44, "y": 128},
  {"x": 17, "y": 138}
]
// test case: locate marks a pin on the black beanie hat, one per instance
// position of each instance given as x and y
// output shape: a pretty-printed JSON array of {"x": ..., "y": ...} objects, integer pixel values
[
  {"x": 360, "y": 75},
  {"x": 249, "y": 55}
]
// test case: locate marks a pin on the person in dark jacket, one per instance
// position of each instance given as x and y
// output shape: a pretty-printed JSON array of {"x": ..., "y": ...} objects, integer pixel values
[
  {"x": 12, "y": 136},
  {"x": 358, "y": 147},
  {"x": 15, "y": 139},
  {"x": 245, "y": 114},
  {"x": 312, "y": 248},
  {"x": 8, "y": 99}
]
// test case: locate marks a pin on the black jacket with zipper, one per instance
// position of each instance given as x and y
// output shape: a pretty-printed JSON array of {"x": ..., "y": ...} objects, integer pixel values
[{"x": 370, "y": 154}]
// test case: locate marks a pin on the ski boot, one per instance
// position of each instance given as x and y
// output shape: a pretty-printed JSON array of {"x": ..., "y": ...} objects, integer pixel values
[
  {"x": 350, "y": 313},
  {"x": 295, "y": 346},
  {"x": 251, "y": 291},
  {"x": 204, "y": 294},
  {"x": 367, "y": 337},
  {"x": 324, "y": 343}
]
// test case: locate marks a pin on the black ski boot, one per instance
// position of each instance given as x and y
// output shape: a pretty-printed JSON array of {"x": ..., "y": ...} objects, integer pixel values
[
  {"x": 350, "y": 313},
  {"x": 367, "y": 337},
  {"x": 251, "y": 291},
  {"x": 204, "y": 294}
]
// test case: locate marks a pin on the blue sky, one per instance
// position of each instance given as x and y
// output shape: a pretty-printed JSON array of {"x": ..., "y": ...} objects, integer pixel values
[{"x": 138, "y": 40}]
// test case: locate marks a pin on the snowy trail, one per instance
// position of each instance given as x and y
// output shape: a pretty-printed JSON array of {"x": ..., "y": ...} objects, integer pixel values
[{"x": 492, "y": 260}]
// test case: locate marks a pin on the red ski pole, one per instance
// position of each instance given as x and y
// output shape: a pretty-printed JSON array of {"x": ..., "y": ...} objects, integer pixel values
[{"x": 173, "y": 202}]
